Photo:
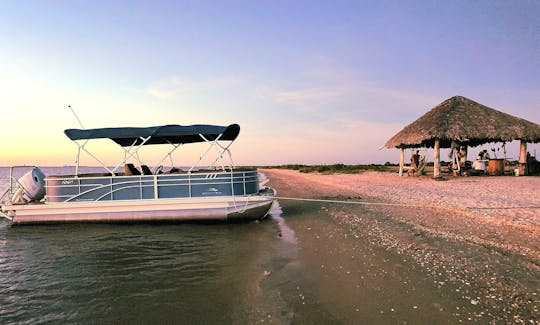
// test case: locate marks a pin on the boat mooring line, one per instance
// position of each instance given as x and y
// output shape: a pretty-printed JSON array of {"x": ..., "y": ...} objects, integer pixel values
[
  {"x": 350, "y": 202},
  {"x": 400, "y": 204}
]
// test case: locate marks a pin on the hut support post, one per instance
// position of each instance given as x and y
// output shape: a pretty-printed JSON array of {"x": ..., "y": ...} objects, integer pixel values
[
  {"x": 436, "y": 159},
  {"x": 523, "y": 158},
  {"x": 401, "y": 160}
]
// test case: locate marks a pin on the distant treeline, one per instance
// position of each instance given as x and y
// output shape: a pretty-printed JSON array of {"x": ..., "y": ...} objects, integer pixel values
[{"x": 337, "y": 168}]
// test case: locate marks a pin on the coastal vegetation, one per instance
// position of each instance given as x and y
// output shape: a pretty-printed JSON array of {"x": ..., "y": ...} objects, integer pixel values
[
  {"x": 338, "y": 168},
  {"x": 388, "y": 167}
]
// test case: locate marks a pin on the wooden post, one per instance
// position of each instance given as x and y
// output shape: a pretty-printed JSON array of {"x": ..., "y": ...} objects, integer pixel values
[
  {"x": 436, "y": 159},
  {"x": 523, "y": 158},
  {"x": 401, "y": 160}
]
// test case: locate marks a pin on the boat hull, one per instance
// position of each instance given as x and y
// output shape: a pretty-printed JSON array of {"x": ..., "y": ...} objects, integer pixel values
[{"x": 194, "y": 209}]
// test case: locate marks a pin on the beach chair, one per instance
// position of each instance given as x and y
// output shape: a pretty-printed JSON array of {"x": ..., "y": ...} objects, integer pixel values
[
  {"x": 130, "y": 170},
  {"x": 146, "y": 170}
]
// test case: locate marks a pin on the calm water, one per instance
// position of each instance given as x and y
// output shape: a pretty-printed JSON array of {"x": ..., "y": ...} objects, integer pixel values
[
  {"x": 95, "y": 273},
  {"x": 88, "y": 273}
]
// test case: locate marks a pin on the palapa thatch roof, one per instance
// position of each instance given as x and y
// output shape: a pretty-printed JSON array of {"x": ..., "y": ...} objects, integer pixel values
[{"x": 466, "y": 122}]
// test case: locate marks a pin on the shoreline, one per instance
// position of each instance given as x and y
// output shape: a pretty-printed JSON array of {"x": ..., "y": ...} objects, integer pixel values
[
  {"x": 481, "y": 210},
  {"x": 488, "y": 260}
]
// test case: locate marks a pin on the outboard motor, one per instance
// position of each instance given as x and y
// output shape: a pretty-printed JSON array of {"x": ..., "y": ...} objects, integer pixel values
[{"x": 31, "y": 187}]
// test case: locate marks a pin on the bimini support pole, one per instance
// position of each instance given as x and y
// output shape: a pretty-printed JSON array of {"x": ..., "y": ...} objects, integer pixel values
[
  {"x": 175, "y": 146},
  {"x": 77, "y": 160},
  {"x": 128, "y": 155},
  {"x": 91, "y": 155},
  {"x": 79, "y": 149},
  {"x": 135, "y": 154},
  {"x": 78, "y": 120},
  {"x": 220, "y": 154},
  {"x": 211, "y": 143}
]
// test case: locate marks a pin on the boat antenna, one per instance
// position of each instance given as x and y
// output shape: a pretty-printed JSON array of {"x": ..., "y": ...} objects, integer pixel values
[{"x": 75, "y": 114}]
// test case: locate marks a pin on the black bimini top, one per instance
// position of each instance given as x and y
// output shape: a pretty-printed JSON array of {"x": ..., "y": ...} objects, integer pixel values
[{"x": 172, "y": 134}]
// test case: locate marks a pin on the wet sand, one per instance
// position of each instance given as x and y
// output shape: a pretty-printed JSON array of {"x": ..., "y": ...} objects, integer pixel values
[{"x": 454, "y": 259}]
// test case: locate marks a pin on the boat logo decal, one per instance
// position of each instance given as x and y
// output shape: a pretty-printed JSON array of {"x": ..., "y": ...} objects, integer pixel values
[{"x": 212, "y": 191}]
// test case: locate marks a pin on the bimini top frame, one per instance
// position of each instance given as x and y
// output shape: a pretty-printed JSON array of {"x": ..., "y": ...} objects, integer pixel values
[{"x": 131, "y": 139}]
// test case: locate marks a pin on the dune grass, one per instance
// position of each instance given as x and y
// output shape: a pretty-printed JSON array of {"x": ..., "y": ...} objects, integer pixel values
[{"x": 337, "y": 168}]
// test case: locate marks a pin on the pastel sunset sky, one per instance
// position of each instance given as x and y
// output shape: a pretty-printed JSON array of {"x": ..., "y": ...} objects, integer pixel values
[{"x": 308, "y": 81}]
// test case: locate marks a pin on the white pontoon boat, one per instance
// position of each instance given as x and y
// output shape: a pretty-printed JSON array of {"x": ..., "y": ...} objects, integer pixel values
[{"x": 132, "y": 194}]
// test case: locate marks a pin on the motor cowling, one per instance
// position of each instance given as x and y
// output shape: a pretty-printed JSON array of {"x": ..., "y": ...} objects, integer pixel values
[{"x": 31, "y": 187}]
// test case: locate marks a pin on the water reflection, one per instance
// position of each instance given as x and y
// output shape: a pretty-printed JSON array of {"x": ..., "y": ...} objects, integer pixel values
[{"x": 287, "y": 234}]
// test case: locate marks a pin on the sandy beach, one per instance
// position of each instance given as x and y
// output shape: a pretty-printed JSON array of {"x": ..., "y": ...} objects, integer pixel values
[
  {"x": 478, "y": 237},
  {"x": 502, "y": 212}
]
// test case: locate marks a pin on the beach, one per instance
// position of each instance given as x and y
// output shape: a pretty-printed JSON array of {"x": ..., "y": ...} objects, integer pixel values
[{"x": 477, "y": 237}]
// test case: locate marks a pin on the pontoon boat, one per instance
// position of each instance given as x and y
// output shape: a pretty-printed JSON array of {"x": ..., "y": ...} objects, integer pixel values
[{"x": 141, "y": 194}]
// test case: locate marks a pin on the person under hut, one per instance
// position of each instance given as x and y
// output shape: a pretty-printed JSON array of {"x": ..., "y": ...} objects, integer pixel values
[
  {"x": 478, "y": 167},
  {"x": 462, "y": 156},
  {"x": 484, "y": 155},
  {"x": 415, "y": 163}
]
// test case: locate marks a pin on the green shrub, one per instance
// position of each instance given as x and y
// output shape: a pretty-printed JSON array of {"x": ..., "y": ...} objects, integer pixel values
[{"x": 337, "y": 168}]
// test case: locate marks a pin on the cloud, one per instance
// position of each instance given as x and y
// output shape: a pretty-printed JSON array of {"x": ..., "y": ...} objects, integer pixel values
[
  {"x": 300, "y": 141},
  {"x": 162, "y": 93},
  {"x": 341, "y": 104},
  {"x": 331, "y": 93},
  {"x": 174, "y": 87},
  {"x": 325, "y": 86},
  {"x": 296, "y": 96},
  {"x": 168, "y": 88},
  {"x": 307, "y": 96}
]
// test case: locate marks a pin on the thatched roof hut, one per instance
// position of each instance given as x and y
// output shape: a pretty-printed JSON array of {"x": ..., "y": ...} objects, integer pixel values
[{"x": 466, "y": 122}]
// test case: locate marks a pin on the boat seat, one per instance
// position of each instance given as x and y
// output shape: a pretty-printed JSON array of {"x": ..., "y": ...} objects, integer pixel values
[
  {"x": 146, "y": 170},
  {"x": 130, "y": 170}
]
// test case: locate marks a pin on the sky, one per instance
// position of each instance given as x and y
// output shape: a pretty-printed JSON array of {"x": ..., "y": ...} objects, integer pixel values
[{"x": 311, "y": 82}]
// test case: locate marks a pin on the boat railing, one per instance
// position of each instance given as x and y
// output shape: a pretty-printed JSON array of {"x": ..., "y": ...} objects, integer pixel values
[{"x": 140, "y": 187}]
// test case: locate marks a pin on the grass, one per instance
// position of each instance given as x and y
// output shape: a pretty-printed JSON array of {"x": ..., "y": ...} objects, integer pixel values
[
  {"x": 387, "y": 167},
  {"x": 337, "y": 168}
]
